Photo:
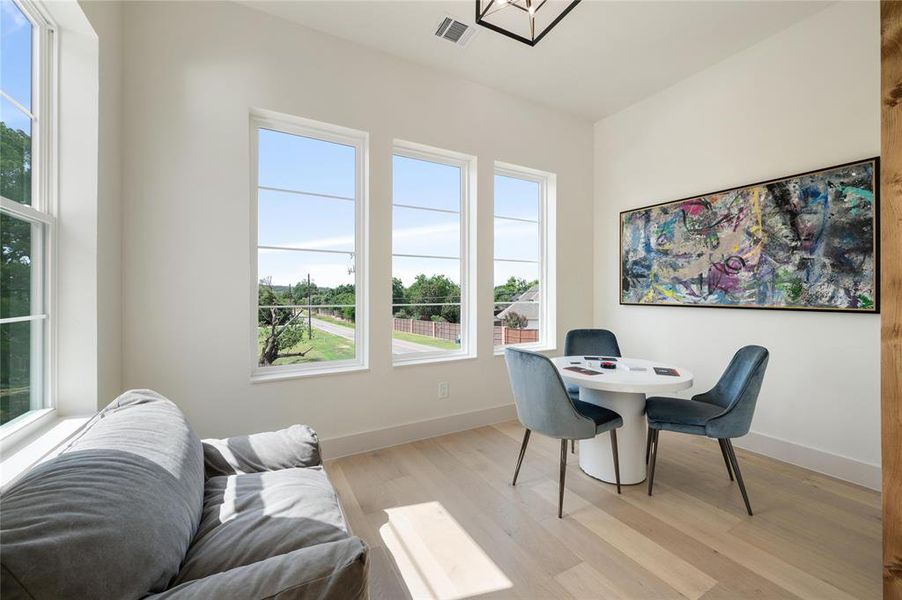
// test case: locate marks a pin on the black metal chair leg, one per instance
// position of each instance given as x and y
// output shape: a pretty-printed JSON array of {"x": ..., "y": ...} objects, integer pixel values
[
  {"x": 572, "y": 446},
  {"x": 648, "y": 444},
  {"x": 560, "y": 502},
  {"x": 726, "y": 458},
  {"x": 616, "y": 458},
  {"x": 735, "y": 463},
  {"x": 522, "y": 452},
  {"x": 653, "y": 460}
]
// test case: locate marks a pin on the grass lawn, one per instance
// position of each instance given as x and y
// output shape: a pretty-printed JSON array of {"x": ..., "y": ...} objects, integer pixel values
[
  {"x": 425, "y": 340},
  {"x": 323, "y": 346}
]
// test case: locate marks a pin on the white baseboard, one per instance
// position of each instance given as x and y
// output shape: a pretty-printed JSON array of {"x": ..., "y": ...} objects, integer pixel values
[
  {"x": 410, "y": 432},
  {"x": 841, "y": 467}
]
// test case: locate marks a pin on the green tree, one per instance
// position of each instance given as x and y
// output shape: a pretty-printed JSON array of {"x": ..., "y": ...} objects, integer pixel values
[
  {"x": 15, "y": 164},
  {"x": 299, "y": 293},
  {"x": 512, "y": 289},
  {"x": 398, "y": 293},
  {"x": 15, "y": 275},
  {"x": 281, "y": 329},
  {"x": 514, "y": 320},
  {"x": 430, "y": 293},
  {"x": 347, "y": 298}
]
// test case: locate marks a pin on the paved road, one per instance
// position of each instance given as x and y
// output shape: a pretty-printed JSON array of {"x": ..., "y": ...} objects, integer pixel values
[{"x": 397, "y": 346}]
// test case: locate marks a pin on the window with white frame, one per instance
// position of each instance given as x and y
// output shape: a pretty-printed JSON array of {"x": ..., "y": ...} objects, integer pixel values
[
  {"x": 524, "y": 257},
  {"x": 309, "y": 292},
  {"x": 26, "y": 211},
  {"x": 432, "y": 229}
]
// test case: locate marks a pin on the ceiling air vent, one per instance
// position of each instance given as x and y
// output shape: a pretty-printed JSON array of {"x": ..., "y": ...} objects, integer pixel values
[{"x": 454, "y": 31}]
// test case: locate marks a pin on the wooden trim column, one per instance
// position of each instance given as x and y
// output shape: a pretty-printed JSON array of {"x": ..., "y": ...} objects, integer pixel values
[{"x": 891, "y": 292}]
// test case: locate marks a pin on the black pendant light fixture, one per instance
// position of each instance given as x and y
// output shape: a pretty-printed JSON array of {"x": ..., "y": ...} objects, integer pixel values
[{"x": 526, "y": 21}]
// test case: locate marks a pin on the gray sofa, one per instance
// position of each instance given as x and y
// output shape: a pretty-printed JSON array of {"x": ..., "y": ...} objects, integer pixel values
[{"x": 137, "y": 506}]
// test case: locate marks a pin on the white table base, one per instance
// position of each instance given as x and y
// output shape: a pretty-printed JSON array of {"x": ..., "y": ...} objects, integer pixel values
[{"x": 595, "y": 457}]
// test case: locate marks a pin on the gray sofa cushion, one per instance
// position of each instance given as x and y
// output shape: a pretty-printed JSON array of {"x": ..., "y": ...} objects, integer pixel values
[
  {"x": 332, "y": 570},
  {"x": 255, "y": 516},
  {"x": 111, "y": 517},
  {"x": 295, "y": 446}
]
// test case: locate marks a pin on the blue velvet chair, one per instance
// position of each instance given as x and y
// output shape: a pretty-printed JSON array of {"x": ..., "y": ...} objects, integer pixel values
[
  {"x": 543, "y": 405},
  {"x": 588, "y": 342},
  {"x": 722, "y": 413}
]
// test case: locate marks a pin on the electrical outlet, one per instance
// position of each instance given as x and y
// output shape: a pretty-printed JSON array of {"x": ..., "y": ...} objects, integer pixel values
[{"x": 443, "y": 390}]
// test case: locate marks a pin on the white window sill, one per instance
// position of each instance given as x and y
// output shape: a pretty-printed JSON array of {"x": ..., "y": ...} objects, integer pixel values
[
  {"x": 278, "y": 375},
  {"x": 431, "y": 359},
  {"x": 12, "y": 433},
  {"x": 38, "y": 445},
  {"x": 499, "y": 350}
]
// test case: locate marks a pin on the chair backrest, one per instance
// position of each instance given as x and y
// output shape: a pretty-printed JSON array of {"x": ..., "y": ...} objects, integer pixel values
[
  {"x": 543, "y": 404},
  {"x": 591, "y": 342},
  {"x": 737, "y": 392}
]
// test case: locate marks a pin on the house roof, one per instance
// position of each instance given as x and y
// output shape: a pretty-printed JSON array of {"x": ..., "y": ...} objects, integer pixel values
[{"x": 526, "y": 304}]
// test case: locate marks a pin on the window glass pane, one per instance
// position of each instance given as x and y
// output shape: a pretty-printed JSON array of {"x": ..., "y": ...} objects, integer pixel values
[
  {"x": 516, "y": 240},
  {"x": 518, "y": 291},
  {"x": 302, "y": 221},
  {"x": 15, "y": 153},
  {"x": 15, "y": 53},
  {"x": 427, "y": 184},
  {"x": 17, "y": 240},
  {"x": 20, "y": 360},
  {"x": 426, "y": 292},
  {"x": 425, "y": 232},
  {"x": 516, "y": 198},
  {"x": 306, "y": 298},
  {"x": 304, "y": 164},
  {"x": 300, "y": 323}
]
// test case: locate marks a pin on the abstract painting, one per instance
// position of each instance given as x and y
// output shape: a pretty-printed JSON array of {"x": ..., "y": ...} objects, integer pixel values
[{"x": 806, "y": 242}]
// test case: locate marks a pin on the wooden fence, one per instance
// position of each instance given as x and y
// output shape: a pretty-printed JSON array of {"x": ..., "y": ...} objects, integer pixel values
[
  {"x": 506, "y": 335},
  {"x": 451, "y": 331},
  {"x": 436, "y": 329}
]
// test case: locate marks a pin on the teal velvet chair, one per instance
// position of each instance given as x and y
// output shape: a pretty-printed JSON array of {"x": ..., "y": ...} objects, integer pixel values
[
  {"x": 722, "y": 413},
  {"x": 543, "y": 405},
  {"x": 589, "y": 342}
]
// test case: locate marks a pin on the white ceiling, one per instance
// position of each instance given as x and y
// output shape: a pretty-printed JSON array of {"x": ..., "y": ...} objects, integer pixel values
[{"x": 601, "y": 58}]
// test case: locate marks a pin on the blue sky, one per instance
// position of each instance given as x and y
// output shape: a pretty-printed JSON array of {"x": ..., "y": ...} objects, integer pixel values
[
  {"x": 15, "y": 64},
  {"x": 306, "y": 221}
]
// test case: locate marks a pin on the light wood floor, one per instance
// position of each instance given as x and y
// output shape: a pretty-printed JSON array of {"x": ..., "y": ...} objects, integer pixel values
[{"x": 443, "y": 521}]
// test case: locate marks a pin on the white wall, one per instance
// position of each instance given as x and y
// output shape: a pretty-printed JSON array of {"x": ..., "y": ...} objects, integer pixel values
[
  {"x": 192, "y": 71},
  {"x": 106, "y": 20},
  {"x": 805, "y": 98}
]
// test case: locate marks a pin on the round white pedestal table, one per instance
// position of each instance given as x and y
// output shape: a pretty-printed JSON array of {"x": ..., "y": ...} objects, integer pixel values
[{"x": 622, "y": 390}]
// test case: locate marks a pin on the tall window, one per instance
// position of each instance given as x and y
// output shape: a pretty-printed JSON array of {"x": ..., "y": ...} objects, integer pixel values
[
  {"x": 524, "y": 257},
  {"x": 26, "y": 215},
  {"x": 309, "y": 290},
  {"x": 431, "y": 236}
]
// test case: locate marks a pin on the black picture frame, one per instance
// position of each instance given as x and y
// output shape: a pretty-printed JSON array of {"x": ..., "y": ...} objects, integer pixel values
[{"x": 875, "y": 236}]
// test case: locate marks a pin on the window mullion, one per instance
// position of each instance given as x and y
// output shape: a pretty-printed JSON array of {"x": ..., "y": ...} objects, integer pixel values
[{"x": 24, "y": 212}]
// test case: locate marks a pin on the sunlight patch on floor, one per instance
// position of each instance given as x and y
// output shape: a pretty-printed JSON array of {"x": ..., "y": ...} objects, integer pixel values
[{"x": 435, "y": 556}]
